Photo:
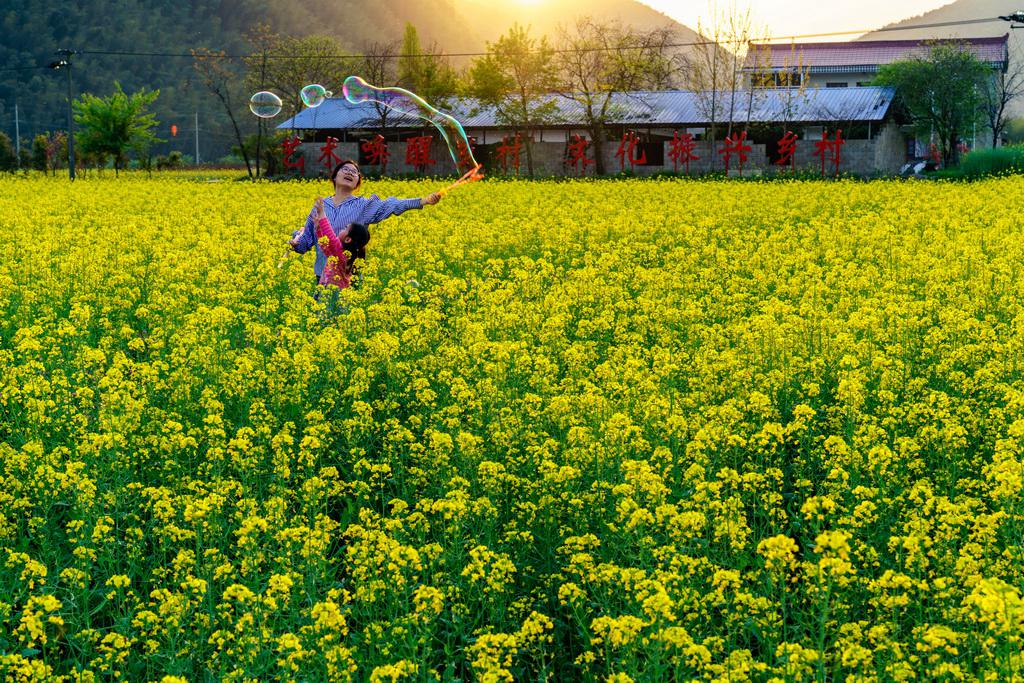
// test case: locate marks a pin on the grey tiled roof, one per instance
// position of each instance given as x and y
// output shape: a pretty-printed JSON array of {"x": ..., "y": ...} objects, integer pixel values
[{"x": 664, "y": 108}]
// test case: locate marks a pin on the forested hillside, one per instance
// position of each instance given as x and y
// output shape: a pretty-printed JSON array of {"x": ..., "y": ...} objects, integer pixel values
[{"x": 32, "y": 32}]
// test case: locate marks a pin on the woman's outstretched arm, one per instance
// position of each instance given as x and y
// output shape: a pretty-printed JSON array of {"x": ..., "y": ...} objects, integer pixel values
[{"x": 377, "y": 209}]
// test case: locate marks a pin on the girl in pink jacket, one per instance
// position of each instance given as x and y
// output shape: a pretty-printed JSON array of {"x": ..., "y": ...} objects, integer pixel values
[{"x": 352, "y": 239}]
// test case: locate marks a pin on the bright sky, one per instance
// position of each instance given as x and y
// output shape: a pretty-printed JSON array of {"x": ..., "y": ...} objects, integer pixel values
[{"x": 795, "y": 17}]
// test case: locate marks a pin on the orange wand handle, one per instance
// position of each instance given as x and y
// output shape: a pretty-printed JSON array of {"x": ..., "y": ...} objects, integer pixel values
[{"x": 468, "y": 177}]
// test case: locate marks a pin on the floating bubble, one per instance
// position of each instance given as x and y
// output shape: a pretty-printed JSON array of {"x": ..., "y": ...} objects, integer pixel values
[
  {"x": 265, "y": 104},
  {"x": 357, "y": 90},
  {"x": 314, "y": 95}
]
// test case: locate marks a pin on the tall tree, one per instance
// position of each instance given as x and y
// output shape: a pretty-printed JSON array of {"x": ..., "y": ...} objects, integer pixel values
[
  {"x": 378, "y": 67},
  {"x": 286, "y": 64},
  {"x": 739, "y": 30},
  {"x": 217, "y": 75},
  {"x": 425, "y": 71},
  {"x": 110, "y": 126},
  {"x": 998, "y": 93},
  {"x": 598, "y": 61},
  {"x": 789, "y": 79},
  {"x": 942, "y": 92},
  {"x": 516, "y": 78},
  {"x": 713, "y": 69},
  {"x": 707, "y": 72}
]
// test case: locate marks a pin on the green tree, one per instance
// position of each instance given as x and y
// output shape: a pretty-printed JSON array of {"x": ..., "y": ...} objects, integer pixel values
[
  {"x": 942, "y": 92},
  {"x": 110, "y": 126},
  {"x": 516, "y": 78},
  {"x": 425, "y": 71},
  {"x": 39, "y": 160}
]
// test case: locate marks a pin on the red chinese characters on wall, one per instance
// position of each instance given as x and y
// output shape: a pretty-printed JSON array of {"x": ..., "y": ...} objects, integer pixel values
[
  {"x": 627, "y": 151},
  {"x": 328, "y": 159},
  {"x": 787, "y": 150},
  {"x": 829, "y": 150},
  {"x": 466, "y": 155},
  {"x": 681, "y": 149},
  {"x": 576, "y": 154},
  {"x": 288, "y": 149},
  {"x": 508, "y": 153},
  {"x": 735, "y": 145},
  {"x": 376, "y": 151},
  {"x": 417, "y": 152}
]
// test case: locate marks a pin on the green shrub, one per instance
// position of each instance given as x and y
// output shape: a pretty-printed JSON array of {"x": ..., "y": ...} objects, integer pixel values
[
  {"x": 990, "y": 162},
  {"x": 8, "y": 160},
  {"x": 171, "y": 161}
]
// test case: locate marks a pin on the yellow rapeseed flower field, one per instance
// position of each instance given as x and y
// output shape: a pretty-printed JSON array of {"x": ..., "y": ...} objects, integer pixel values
[{"x": 588, "y": 430}]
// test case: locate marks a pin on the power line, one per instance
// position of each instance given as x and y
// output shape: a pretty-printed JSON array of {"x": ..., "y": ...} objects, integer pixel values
[
  {"x": 190, "y": 55},
  {"x": 22, "y": 68}
]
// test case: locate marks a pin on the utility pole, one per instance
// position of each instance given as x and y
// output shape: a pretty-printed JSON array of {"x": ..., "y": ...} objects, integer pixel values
[
  {"x": 17, "y": 135},
  {"x": 197, "y": 138},
  {"x": 65, "y": 63}
]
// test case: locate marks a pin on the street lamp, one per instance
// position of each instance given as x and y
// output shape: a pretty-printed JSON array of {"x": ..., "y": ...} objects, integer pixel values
[
  {"x": 1015, "y": 18},
  {"x": 65, "y": 63}
]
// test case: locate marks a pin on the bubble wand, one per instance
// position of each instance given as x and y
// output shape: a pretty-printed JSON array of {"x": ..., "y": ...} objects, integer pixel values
[{"x": 469, "y": 176}]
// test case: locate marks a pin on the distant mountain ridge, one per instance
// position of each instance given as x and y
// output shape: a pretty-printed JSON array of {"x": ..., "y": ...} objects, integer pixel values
[{"x": 459, "y": 27}]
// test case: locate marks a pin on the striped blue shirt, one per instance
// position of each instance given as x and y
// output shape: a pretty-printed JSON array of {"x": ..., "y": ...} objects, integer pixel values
[{"x": 366, "y": 210}]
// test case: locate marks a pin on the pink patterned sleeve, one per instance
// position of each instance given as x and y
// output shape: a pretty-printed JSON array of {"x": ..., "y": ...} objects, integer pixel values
[{"x": 333, "y": 247}]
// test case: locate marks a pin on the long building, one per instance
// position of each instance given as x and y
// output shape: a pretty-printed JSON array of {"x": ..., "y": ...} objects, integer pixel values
[
  {"x": 875, "y": 141},
  {"x": 853, "y": 64}
]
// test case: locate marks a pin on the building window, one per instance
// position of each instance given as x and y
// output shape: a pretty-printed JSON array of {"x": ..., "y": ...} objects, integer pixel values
[
  {"x": 836, "y": 84},
  {"x": 864, "y": 84},
  {"x": 777, "y": 79}
]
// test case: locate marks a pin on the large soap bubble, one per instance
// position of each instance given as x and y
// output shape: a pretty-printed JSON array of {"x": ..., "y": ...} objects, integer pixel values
[{"x": 357, "y": 90}]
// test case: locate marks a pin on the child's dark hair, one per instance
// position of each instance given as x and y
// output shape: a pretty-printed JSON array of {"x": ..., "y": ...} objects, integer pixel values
[
  {"x": 358, "y": 238},
  {"x": 345, "y": 162}
]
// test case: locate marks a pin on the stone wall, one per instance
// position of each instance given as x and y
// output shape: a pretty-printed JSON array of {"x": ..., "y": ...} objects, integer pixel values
[{"x": 880, "y": 156}]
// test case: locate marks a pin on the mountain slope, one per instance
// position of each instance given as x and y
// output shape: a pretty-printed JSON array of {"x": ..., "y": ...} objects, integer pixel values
[
  {"x": 960, "y": 10},
  {"x": 33, "y": 31}
]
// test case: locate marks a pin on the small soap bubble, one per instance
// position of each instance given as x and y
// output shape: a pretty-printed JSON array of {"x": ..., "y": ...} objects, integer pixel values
[{"x": 265, "y": 104}]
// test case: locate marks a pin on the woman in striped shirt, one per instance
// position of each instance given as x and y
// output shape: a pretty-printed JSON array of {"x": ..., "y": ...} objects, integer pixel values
[{"x": 344, "y": 209}]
